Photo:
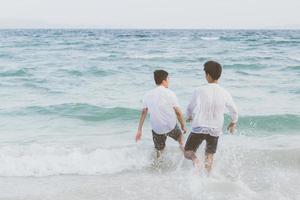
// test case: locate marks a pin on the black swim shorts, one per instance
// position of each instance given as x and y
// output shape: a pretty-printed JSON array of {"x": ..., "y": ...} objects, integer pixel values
[
  {"x": 160, "y": 139},
  {"x": 195, "y": 139}
]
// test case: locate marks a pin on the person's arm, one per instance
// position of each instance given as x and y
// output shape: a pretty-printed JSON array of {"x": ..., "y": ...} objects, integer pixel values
[
  {"x": 233, "y": 111},
  {"x": 180, "y": 118},
  {"x": 191, "y": 107},
  {"x": 176, "y": 107},
  {"x": 139, "y": 132}
]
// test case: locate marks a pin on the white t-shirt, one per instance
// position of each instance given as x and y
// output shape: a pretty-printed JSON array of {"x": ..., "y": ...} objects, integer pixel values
[
  {"x": 160, "y": 103},
  {"x": 208, "y": 105}
]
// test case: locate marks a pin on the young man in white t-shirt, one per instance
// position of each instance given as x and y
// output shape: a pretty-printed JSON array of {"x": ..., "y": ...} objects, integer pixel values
[
  {"x": 164, "y": 109},
  {"x": 206, "y": 111}
]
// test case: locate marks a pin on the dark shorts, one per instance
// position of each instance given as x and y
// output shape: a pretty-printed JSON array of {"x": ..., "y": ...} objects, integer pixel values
[
  {"x": 195, "y": 139},
  {"x": 160, "y": 139}
]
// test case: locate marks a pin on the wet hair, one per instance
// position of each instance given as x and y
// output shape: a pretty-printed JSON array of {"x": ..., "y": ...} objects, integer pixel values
[
  {"x": 159, "y": 76},
  {"x": 214, "y": 69}
]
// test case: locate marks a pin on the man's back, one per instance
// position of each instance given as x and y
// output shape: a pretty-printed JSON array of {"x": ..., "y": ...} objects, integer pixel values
[
  {"x": 160, "y": 103},
  {"x": 209, "y": 103}
]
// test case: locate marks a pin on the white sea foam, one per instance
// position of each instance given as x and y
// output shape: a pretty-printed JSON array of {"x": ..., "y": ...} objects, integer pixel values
[
  {"x": 53, "y": 159},
  {"x": 244, "y": 168},
  {"x": 45, "y": 160},
  {"x": 210, "y": 38}
]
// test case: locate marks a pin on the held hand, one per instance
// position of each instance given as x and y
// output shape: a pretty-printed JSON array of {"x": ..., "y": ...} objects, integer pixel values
[
  {"x": 184, "y": 130},
  {"x": 138, "y": 136},
  {"x": 231, "y": 127}
]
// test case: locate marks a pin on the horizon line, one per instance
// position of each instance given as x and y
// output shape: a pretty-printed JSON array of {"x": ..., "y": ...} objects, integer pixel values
[{"x": 114, "y": 28}]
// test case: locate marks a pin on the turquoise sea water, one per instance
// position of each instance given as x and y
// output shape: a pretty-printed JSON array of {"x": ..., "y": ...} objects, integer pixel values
[{"x": 70, "y": 103}]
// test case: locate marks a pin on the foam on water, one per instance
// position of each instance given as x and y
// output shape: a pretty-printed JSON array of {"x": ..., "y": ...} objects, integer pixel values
[
  {"x": 237, "y": 153},
  {"x": 45, "y": 160},
  {"x": 210, "y": 38},
  {"x": 245, "y": 168}
]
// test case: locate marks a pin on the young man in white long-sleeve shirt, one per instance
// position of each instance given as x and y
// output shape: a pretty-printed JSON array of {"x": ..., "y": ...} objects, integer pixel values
[{"x": 206, "y": 112}]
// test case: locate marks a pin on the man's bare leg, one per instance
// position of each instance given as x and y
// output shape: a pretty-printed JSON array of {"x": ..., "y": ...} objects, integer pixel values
[
  {"x": 196, "y": 162},
  {"x": 209, "y": 158},
  {"x": 159, "y": 153},
  {"x": 181, "y": 143}
]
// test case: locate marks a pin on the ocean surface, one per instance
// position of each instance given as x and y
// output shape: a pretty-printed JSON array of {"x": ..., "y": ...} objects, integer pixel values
[{"x": 70, "y": 103}]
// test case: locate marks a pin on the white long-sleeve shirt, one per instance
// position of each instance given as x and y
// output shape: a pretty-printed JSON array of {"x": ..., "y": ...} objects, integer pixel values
[{"x": 208, "y": 105}]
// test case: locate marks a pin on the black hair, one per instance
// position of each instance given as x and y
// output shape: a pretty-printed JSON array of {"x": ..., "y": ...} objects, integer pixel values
[
  {"x": 159, "y": 76},
  {"x": 214, "y": 69}
]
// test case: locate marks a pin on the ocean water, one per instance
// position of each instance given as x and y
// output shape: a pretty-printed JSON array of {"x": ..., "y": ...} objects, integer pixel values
[{"x": 70, "y": 102}]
